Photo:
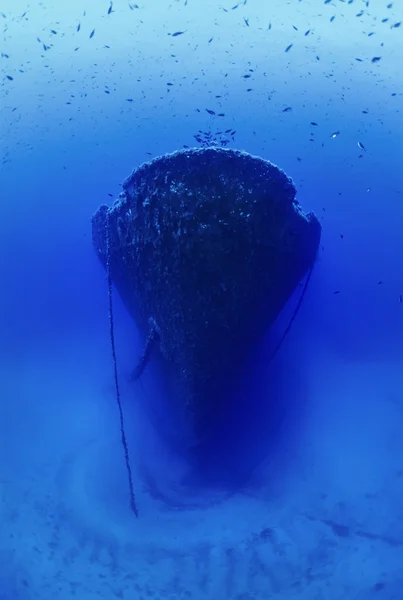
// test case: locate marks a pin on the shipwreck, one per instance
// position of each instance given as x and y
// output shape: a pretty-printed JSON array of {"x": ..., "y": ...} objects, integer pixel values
[{"x": 205, "y": 247}]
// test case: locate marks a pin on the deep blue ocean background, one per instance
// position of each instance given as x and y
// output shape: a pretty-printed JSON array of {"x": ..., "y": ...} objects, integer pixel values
[{"x": 316, "y": 88}]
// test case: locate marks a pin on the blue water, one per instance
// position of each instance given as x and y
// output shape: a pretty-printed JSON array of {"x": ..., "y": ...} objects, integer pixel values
[{"x": 317, "y": 513}]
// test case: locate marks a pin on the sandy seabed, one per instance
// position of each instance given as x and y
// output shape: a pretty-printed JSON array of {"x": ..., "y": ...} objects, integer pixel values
[{"x": 330, "y": 528}]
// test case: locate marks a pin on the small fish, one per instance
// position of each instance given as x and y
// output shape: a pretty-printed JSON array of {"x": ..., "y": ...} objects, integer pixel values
[
  {"x": 335, "y": 134},
  {"x": 177, "y": 33},
  {"x": 376, "y": 59},
  {"x": 390, "y": 5},
  {"x": 296, "y": 28},
  {"x": 400, "y": 298},
  {"x": 396, "y": 25},
  {"x": 288, "y": 48},
  {"x": 385, "y": 20},
  {"x": 210, "y": 40},
  {"x": 110, "y": 195},
  {"x": 336, "y": 292},
  {"x": 210, "y": 112},
  {"x": 53, "y": 31},
  {"x": 328, "y": 1},
  {"x": 221, "y": 115},
  {"x": 79, "y": 27},
  {"x": 246, "y": 21},
  {"x": 9, "y": 77},
  {"x": 287, "y": 109},
  {"x": 314, "y": 124},
  {"x": 361, "y": 146},
  {"x": 307, "y": 32},
  {"x": 92, "y": 33},
  {"x": 110, "y": 8}
]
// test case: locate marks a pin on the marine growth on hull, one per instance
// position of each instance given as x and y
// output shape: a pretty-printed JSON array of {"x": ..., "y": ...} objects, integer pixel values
[{"x": 205, "y": 247}]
